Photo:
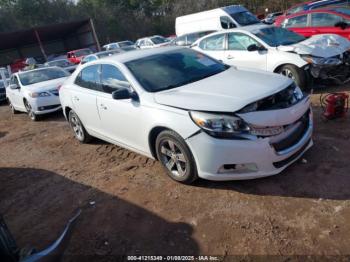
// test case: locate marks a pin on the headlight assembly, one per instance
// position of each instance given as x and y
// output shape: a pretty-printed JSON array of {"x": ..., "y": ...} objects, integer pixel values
[
  {"x": 330, "y": 61},
  {"x": 38, "y": 94},
  {"x": 219, "y": 125}
]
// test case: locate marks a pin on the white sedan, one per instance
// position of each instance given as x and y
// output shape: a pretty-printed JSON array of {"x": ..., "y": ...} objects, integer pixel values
[
  {"x": 152, "y": 42},
  {"x": 198, "y": 117},
  {"x": 281, "y": 51},
  {"x": 36, "y": 91}
]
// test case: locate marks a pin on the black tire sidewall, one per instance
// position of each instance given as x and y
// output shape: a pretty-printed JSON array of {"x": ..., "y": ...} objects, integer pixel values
[
  {"x": 299, "y": 74},
  {"x": 191, "y": 169}
]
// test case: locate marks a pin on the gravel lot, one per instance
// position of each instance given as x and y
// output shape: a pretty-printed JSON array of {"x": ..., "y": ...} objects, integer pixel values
[{"x": 45, "y": 174}]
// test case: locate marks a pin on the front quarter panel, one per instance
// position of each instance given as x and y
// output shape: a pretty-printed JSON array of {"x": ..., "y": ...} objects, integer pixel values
[{"x": 276, "y": 58}]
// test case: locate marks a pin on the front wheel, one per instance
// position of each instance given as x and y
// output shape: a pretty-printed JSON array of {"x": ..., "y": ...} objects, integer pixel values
[
  {"x": 296, "y": 74},
  {"x": 175, "y": 156},
  {"x": 30, "y": 111},
  {"x": 78, "y": 128}
]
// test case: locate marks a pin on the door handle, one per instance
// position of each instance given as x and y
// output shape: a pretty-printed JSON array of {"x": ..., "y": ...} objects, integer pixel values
[
  {"x": 230, "y": 57},
  {"x": 103, "y": 107}
]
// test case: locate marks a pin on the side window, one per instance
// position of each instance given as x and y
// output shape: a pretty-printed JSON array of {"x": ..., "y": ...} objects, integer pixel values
[
  {"x": 324, "y": 19},
  {"x": 112, "y": 79},
  {"x": 298, "y": 21},
  {"x": 89, "y": 78},
  {"x": 238, "y": 41},
  {"x": 215, "y": 42},
  {"x": 226, "y": 22}
]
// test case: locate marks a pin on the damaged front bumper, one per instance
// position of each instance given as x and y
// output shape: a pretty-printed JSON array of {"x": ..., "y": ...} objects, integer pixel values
[{"x": 333, "y": 68}]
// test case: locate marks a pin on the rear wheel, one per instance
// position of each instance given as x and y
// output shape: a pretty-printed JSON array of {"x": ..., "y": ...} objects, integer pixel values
[
  {"x": 78, "y": 128},
  {"x": 30, "y": 111},
  {"x": 296, "y": 74},
  {"x": 176, "y": 157},
  {"x": 12, "y": 108}
]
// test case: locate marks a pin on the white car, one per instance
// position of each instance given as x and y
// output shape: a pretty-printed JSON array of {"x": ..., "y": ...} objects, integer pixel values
[
  {"x": 4, "y": 79},
  {"x": 152, "y": 42},
  {"x": 36, "y": 91},
  {"x": 198, "y": 117},
  {"x": 63, "y": 63},
  {"x": 100, "y": 55},
  {"x": 278, "y": 50},
  {"x": 122, "y": 44}
]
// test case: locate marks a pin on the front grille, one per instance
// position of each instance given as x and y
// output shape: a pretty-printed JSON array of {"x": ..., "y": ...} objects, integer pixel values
[
  {"x": 296, "y": 136},
  {"x": 42, "y": 108},
  {"x": 292, "y": 157}
]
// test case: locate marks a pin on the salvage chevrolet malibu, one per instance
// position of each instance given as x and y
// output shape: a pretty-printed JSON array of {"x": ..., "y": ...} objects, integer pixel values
[
  {"x": 197, "y": 116},
  {"x": 281, "y": 51}
]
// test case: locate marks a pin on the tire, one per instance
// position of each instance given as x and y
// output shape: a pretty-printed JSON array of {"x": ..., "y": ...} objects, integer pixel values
[
  {"x": 13, "y": 110},
  {"x": 296, "y": 74},
  {"x": 77, "y": 126},
  {"x": 30, "y": 112},
  {"x": 175, "y": 156}
]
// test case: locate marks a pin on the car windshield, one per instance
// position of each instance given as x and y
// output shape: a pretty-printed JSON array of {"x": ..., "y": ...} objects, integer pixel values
[
  {"x": 83, "y": 52},
  {"x": 344, "y": 11},
  {"x": 173, "y": 69},
  {"x": 276, "y": 36},
  {"x": 60, "y": 63},
  {"x": 159, "y": 40},
  {"x": 125, "y": 43},
  {"x": 42, "y": 75},
  {"x": 245, "y": 18}
]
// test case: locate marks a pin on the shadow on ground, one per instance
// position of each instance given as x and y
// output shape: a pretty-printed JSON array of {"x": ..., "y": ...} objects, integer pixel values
[{"x": 37, "y": 203}]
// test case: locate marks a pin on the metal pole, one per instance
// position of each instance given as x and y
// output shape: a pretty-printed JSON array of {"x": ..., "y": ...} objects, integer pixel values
[
  {"x": 95, "y": 35},
  {"x": 40, "y": 44}
]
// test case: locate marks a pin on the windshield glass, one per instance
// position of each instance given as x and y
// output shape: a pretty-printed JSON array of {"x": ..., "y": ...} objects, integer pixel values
[
  {"x": 42, "y": 75},
  {"x": 60, "y": 63},
  {"x": 276, "y": 36},
  {"x": 173, "y": 69},
  {"x": 125, "y": 43},
  {"x": 83, "y": 52},
  {"x": 245, "y": 18},
  {"x": 159, "y": 40}
]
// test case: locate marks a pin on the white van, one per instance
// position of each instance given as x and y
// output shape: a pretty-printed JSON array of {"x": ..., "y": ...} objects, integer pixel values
[{"x": 215, "y": 20}]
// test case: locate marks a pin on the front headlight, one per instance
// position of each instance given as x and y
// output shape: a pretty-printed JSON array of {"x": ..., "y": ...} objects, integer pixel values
[
  {"x": 38, "y": 94},
  {"x": 313, "y": 59},
  {"x": 219, "y": 125}
]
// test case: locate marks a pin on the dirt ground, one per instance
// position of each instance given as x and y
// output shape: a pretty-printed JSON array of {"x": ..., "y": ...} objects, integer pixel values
[{"x": 45, "y": 174}]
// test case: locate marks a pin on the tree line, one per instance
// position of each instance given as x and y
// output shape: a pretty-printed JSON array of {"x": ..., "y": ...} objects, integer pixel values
[{"x": 118, "y": 19}]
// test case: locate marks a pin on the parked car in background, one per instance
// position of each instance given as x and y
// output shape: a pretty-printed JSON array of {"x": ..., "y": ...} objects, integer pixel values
[
  {"x": 36, "y": 91},
  {"x": 279, "y": 50},
  {"x": 197, "y": 116},
  {"x": 76, "y": 55},
  {"x": 320, "y": 21},
  {"x": 189, "y": 39},
  {"x": 63, "y": 63},
  {"x": 271, "y": 18},
  {"x": 4, "y": 79},
  {"x": 311, "y": 5},
  {"x": 22, "y": 63},
  {"x": 100, "y": 55},
  {"x": 152, "y": 42},
  {"x": 215, "y": 20},
  {"x": 120, "y": 45}
]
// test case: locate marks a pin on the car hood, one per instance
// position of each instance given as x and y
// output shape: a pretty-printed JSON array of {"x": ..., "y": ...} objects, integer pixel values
[
  {"x": 326, "y": 45},
  {"x": 47, "y": 85},
  {"x": 228, "y": 91}
]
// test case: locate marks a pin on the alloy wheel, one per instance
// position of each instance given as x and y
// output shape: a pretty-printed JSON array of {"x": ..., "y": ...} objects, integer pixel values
[
  {"x": 77, "y": 127},
  {"x": 30, "y": 112},
  {"x": 288, "y": 73},
  {"x": 173, "y": 158}
]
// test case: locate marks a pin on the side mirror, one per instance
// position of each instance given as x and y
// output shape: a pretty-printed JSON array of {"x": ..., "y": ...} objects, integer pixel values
[
  {"x": 254, "y": 47},
  {"x": 124, "y": 93},
  {"x": 342, "y": 25},
  {"x": 14, "y": 86}
]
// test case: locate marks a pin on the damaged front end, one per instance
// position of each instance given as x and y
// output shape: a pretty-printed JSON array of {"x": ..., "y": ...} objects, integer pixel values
[{"x": 335, "y": 68}]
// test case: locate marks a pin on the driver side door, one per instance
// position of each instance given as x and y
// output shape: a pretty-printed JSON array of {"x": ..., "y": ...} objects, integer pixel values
[{"x": 237, "y": 53}]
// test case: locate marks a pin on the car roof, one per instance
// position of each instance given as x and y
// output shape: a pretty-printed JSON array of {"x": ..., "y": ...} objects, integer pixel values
[
  {"x": 140, "y": 53},
  {"x": 331, "y": 9}
]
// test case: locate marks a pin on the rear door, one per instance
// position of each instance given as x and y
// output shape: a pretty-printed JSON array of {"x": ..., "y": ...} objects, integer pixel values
[
  {"x": 299, "y": 24},
  {"x": 84, "y": 95},
  {"x": 214, "y": 46},
  {"x": 121, "y": 119},
  {"x": 237, "y": 53},
  {"x": 325, "y": 23}
]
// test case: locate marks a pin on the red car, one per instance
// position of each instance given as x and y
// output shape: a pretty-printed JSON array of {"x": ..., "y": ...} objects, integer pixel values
[
  {"x": 76, "y": 56},
  {"x": 334, "y": 20}
]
